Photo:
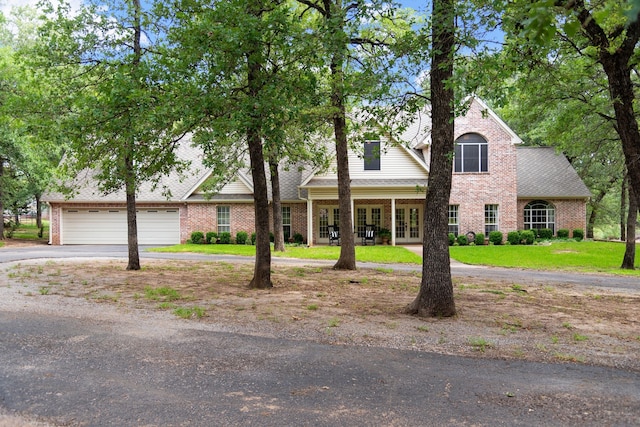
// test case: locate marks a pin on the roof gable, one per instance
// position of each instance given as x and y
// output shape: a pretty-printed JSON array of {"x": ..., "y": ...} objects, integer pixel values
[{"x": 543, "y": 173}]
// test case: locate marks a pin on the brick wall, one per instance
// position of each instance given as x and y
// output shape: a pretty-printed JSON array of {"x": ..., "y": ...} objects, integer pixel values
[
  {"x": 570, "y": 213},
  {"x": 472, "y": 191}
]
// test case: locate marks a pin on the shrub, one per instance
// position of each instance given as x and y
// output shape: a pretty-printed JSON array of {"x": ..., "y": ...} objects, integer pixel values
[
  {"x": 545, "y": 233},
  {"x": 495, "y": 237},
  {"x": 253, "y": 238},
  {"x": 462, "y": 240},
  {"x": 528, "y": 237},
  {"x": 479, "y": 240},
  {"x": 297, "y": 238},
  {"x": 578, "y": 234},
  {"x": 197, "y": 237},
  {"x": 211, "y": 237},
  {"x": 514, "y": 238},
  {"x": 452, "y": 239},
  {"x": 563, "y": 233},
  {"x": 225, "y": 237},
  {"x": 241, "y": 237}
]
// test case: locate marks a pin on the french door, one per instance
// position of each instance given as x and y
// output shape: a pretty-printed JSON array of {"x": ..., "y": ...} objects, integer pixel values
[{"x": 408, "y": 224}]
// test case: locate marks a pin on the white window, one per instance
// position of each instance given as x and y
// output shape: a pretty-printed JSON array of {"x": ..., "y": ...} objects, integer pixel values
[
  {"x": 286, "y": 222},
  {"x": 539, "y": 214},
  {"x": 454, "y": 225},
  {"x": 328, "y": 215},
  {"x": 471, "y": 154},
  {"x": 490, "y": 219},
  {"x": 224, "y": 219}
]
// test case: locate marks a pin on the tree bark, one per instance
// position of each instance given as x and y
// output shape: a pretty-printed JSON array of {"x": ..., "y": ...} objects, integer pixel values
[
  {"x": 435, "y": 297},
  {"x": 262, "y": 269},
  {"x": 347, "y": 259},
  {"x": 628, "y": 261},
  {"x": 1, "y": 198},
  {"x": 132, "y": 219},
  {"x": 623, "y": 209},
  {"x": 38, "y": 211},
  {"x": 278, "y": 233}
]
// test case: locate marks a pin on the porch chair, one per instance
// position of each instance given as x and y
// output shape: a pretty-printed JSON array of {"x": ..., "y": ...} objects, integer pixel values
[
  {"x": 369, "y": 234},
  {"x": 334, "y": 235}
]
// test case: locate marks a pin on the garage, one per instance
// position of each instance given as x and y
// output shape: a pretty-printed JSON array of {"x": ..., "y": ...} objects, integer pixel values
[{"x": 157, "y": 226}]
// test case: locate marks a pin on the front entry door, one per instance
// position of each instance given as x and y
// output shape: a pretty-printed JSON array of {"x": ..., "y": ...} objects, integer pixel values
[{"x": 408, "y": 224}]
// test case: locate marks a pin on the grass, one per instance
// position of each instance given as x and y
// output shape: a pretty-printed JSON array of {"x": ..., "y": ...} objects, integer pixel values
[
  {"x": 29, "y": 231},
  {"x": 375, "y": 254},
  {"x": 604, "y": 257}
]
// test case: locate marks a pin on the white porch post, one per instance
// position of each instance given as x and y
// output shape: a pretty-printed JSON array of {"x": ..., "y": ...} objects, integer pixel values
[
  {"x": 353, "y": 215},
  {"x": 309, "y": 222},
  {"x": 393, "y": 221}
]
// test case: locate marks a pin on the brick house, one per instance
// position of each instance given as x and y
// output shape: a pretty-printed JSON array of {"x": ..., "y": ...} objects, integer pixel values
[{"x": 497, "y": 185}]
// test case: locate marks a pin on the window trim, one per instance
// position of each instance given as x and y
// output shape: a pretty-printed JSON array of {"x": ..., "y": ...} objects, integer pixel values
[
  {"x": 491, "y": 218},
  {"x": 549, "y": 208},
  {"x": 223, "y": 227},
  {"x": 454, "y": 213},
  {"x": 371, "y": 156}
]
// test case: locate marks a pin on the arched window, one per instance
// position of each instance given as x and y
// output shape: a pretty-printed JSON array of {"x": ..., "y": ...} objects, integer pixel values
[
  {"x": 540, "y": 214},
  {"x": 471, "y": 154}
]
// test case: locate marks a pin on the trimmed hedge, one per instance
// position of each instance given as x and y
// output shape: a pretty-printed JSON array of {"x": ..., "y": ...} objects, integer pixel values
[
  {"x": 514, "y": 237},
  {"x": 197, "y": 237},
  {"x": 563, "y": 233},
  {"x": 479, "y": 240},
  {"x": 298, "y": 238},
  {"x": 452, "y": 239},
  {"x": 462, "y": 240},
  {"x": 578, "y": 234},
  {"x": 225, "y": 237},
  {"x": 211, "y": 237},
  {"x": 545, "y": 233},
  {"x": 527, "y": 237},
  {"x": 495, "y": 237},
  {"x": 242, "y": 237}
]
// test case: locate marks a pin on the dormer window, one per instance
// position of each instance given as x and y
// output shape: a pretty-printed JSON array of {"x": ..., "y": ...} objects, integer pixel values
[
  {"x": 471, "y": 154},
  {"x": 372, "y": 153}
]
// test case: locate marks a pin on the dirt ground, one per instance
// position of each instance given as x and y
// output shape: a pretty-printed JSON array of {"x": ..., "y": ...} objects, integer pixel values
[{"x": 550, "y": 323}]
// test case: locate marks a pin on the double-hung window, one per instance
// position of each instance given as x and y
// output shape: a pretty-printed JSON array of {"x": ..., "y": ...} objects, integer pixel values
[
  {"x": 224, "y": 219},
  {"x": 490, "y": 218},
  {"x": 471, "y": 154},
  {"x": 286, "y": 222},
  {"x": 454, "y": 226}
]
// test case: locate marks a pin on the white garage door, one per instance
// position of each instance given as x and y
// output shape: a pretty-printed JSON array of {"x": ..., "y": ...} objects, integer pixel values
[{"x": 109, "y": 226}]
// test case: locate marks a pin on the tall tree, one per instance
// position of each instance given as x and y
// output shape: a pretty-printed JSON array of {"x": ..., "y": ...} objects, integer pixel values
[
  {"x": 435, "y": 297},
  {"x": 244, "y": 61},
  {"x": 114, "y": 109}
]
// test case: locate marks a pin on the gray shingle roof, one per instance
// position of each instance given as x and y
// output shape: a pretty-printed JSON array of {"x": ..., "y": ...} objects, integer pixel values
[
  {"x": 543, "y": 173},
  {"x": 177, "y": 185}
]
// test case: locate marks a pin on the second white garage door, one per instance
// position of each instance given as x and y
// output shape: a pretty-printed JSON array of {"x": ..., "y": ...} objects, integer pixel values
[{"x": 109, "y": 226}]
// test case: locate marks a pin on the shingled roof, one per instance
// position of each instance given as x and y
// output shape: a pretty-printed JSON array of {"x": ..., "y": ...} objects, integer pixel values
[{"x": 544, "y": 173}]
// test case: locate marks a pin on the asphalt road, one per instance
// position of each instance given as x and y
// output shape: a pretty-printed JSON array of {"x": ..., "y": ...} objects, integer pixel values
[{"x": 136, "y": 370}]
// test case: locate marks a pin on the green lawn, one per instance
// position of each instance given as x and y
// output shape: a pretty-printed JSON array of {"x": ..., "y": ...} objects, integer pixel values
[
  {"x": 377, "y": 254},
  {"x": 574, "y": 256},
  {"x": 29, "y": 231}
]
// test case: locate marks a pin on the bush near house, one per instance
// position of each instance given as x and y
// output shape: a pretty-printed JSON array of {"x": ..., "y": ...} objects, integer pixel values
[
  {"x": 452, "y": 239},
  {"x": 462, "y": 240},
  {"x": 545, "y": 233},
  {"x": 225, "y": 237},
  {"x": 211, "y": 237},
  {"x": 253, "y": 238},
  {"x": 298, "y": 238},
  {"x": 495, "y": 237},
  {"x": 514, "y": 238},
  {"x": 197, "y": 237},
  {"x": 527, "y": 237},
  {"x": 241, "y": 237},
  {"x": 578, "y": 234},
  {"x": 479, "y": 240},
  {"x": 563, "y": 233}
]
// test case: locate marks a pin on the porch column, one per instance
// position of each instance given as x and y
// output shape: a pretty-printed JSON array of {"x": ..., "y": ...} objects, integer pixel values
[
  {"x": 309, "y": 222},
  {"x": 393, "y": 221},
  {"x": 353, "y": 215}
]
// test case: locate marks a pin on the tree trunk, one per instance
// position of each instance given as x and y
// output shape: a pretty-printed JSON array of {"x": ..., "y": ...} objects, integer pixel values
[
  {"x": 435, "y": 297},
  {"x": 132, "y": 220},
  {"x": 262, "y": 270},
  {"x": 628, "y": 261},
  {"x": 347, "y": 259},
  {"x": 1, "y": 198},
  {"x": 38, "y": 212},
  {"x": 623, "y": 209},
  {"x": 278, "y": 233}
]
